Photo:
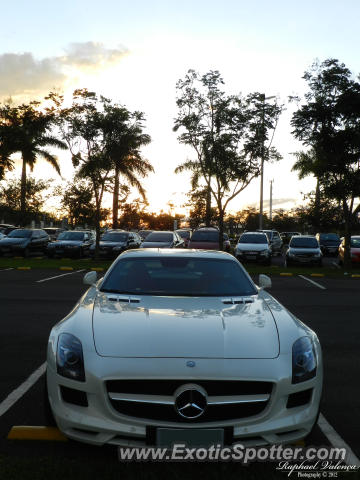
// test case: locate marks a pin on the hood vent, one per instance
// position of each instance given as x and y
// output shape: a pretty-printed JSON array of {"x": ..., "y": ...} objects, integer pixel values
[
  {"x": 124, "y": 299},
  {"x": 237, "y": 300}
]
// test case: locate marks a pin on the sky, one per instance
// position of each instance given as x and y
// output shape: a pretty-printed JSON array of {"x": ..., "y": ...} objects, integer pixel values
[{"x": 135, "y": 52}]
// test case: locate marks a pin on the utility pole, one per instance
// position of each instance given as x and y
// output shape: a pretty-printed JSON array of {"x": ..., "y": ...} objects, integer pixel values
[
  {"x": 271, "y": 194},
  {"x": 263, "y": 98}
]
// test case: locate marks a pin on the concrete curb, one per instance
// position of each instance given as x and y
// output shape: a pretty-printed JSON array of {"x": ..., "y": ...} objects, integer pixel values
[{"x": 23, "y": 432}]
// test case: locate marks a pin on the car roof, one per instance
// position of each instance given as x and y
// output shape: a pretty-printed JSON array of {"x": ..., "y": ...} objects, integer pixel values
[{"x": 180, "y": 252}]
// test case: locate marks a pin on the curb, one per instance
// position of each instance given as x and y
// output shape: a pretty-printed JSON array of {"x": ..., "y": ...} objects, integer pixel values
[
  {"x": 23, "y": 268},
  {"x": 97, "y": 269},
  {"x": 36, "y": 433},
  {"x": 286, "y": 274},
  {"x": 317, "y": 275},
  {"x": 66, "y": 268}
]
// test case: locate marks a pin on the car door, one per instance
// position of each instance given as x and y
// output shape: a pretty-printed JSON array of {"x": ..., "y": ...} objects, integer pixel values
[{"x": 34, "y": 244}]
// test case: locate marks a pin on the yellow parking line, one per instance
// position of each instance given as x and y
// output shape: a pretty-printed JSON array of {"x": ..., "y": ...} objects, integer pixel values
[
  {"x": 97, "y": 269},
  {"x": 18, "y": 258},
  {"x": 66, "y": 268},
  {"x": 23, "y": 268},
  {"x": 36, "y": 433},
  {"x": 286, "y": 274},
  {"x": 355, "y": 275},
  {"x": 316, "y": 275}
]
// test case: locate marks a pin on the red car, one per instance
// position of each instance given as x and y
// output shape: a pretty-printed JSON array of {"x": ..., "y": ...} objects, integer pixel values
[
  {"x": 207, "y": 238},
  {"x": 354, "y": 249}
]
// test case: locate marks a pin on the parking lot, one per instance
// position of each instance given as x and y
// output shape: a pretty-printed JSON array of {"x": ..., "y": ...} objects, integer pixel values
[{"x": 32, "y": 301}]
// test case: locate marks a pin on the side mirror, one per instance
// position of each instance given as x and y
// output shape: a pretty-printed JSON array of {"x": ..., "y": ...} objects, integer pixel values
[
  {"x": 264, "y": 281},
  {"x": 90, "y": 278}
]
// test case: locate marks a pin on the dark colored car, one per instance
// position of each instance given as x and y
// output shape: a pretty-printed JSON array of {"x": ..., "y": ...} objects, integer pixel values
[
  {"x": 53, "y": 232},
  {"x": 6, "y": 228},
  {"x": 185, "y": 234},
  {"x": 304, "y": 249},
  {"x": 113, "y": 242},
  {"x": 275, "y": 240},
  {"x": 207, "y": 238},
  {"x": 164, "y": 239},
  {"x": 24, "y": 241},
  {"x": 73, "y": 243},
  {"x": 286, "y": 236},
  {"x": 329, "y": 243}
]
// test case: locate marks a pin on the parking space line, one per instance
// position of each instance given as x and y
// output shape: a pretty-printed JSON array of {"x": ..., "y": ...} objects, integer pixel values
[
  {"x": 6, "y": 269},
  {"x": 336, "y": 441},
  {"x": 16, "y": 394},
  {"x": 312, "y": 281},
  {"x": 62, "y": 275}
]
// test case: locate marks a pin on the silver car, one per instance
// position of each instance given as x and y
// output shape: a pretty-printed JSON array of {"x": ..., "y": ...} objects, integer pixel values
[
  {"x": 171, "y": 343},
  {"x": 253, "y": 246},
  {"x": 303, "y": 249}
]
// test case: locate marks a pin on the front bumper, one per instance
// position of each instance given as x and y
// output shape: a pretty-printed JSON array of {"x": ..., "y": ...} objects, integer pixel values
[
  {"x": 253, "y": 257},
  {"x": 99, "y": 423},
  {"x": 303, "y": 260}
]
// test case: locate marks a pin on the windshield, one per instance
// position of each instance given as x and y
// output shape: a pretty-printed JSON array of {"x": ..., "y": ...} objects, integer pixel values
[
  {"x": 304, "y": 242},
  {"x": 159, "y": 237},
  {"x": 355, "y": 242},
  {"x": 71, "y": 236},
  {"x": 144, "y": 233},
  {"x": 205, "y": 236},
  {"x": 115, "y": 237},
  {"x": 330, "y": 236},
  {"x": 179, "y": 277},
  {"x": 253, "y": 238},
  {"x": 20, "y": 234}
]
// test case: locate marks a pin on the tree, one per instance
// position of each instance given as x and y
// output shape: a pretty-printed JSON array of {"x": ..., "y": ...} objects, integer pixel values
[
  {"x": 37, "y": 192},
  {"x": 199, "y": 212},
  {"x": 27, "y": 129},
  {"x": 123, "y": 135},
  {"x": 227, "y": 133},
  {"x": 329, "y": 124}
]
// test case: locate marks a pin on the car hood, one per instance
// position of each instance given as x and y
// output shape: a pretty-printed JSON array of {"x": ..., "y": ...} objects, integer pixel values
[
  {"x": 156, "y": 244},
  {"x": 112, "y": 244},
  {"x": 252, "y": 247},
  {"x": 175, "y": 327}
]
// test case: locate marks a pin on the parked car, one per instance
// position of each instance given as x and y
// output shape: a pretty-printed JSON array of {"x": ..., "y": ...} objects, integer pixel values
[
  {"x": 207, "y": 238},
  {"x": 113, "y": 242},
  {"x": 329, "y": 243},
  {"x": 286, "y": 236},
  {"x": 173, "y": 344},
  {"x": 354, "y": 250},
  {"x": 274, "y": 240},
  {"x": 23, "y": 241},
  {"x": 163, "y": 239},
  {"x": 72, "y": 243},
  {"x": 303, "y": 249},
  {"x": 144, "y": 233},
  {"x": 185, "y": 234},
  {"x": 253, "y": 246},
  {"x": 7, "y": 228},
  {"x": 2, "y": 235},
  {"x": 53, "y": 232}
]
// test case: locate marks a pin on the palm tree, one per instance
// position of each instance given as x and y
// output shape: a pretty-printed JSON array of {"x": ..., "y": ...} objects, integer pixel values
[{"x": 27, "y": 130}]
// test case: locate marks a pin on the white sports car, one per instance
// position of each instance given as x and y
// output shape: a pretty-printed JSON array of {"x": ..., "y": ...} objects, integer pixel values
[{"x": 180, "y": 346}]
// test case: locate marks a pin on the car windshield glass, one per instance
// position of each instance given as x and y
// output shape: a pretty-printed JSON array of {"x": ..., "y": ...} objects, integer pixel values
[
  {"x": 303, "y": 242},
  {"x": 178, "y": 276},
  {"x": 205, "y": 236},
  {"x": 144, "y": 233},
  {"x": 355, "y": 242},
  {"x": 330, "y": 236},
  {"x": 159, "y": 237},
  {"x": 115, "y": 237},
  {"x": 253, "y": 238},
  {"x": 20, "y": 234},
  {"x": 71, "y": 236},
  {"x": 183, "y": 233}
]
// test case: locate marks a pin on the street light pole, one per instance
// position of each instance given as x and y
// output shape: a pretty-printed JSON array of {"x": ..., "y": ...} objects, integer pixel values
[
  {"x": 263, "y": 98},
  {"x": 271, "y": 194}
]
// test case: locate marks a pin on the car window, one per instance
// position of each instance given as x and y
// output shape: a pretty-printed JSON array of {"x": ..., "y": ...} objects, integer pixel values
[
  {"x": 253, "y": 238},
  {"x": 74, "y": 236},
  {"x": 179, "y": 277},
  {"x": 159, "y": 237},
  {"x": 205, "y": 236},
  {"x": 355, "y": 242},
  {"x": 303, "y": 242},
  {"x": 20, "y": 234}
]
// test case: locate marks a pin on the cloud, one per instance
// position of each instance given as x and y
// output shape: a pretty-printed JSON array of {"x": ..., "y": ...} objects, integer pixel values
[
  {"x": 277, "y": 202},
  {"x": 22, "y": 74}
]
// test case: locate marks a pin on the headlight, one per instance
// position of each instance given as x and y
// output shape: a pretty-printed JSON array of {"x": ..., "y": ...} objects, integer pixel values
[
  {"x": 69, "y": 357},
  {"x": 264, "y": 252},
  {"x": 317, "y": 254},
  {"x": 303, "y": 360}
]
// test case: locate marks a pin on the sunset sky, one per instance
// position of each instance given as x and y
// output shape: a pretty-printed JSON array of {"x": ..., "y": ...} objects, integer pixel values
[{"x": 134, "y": 52}]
